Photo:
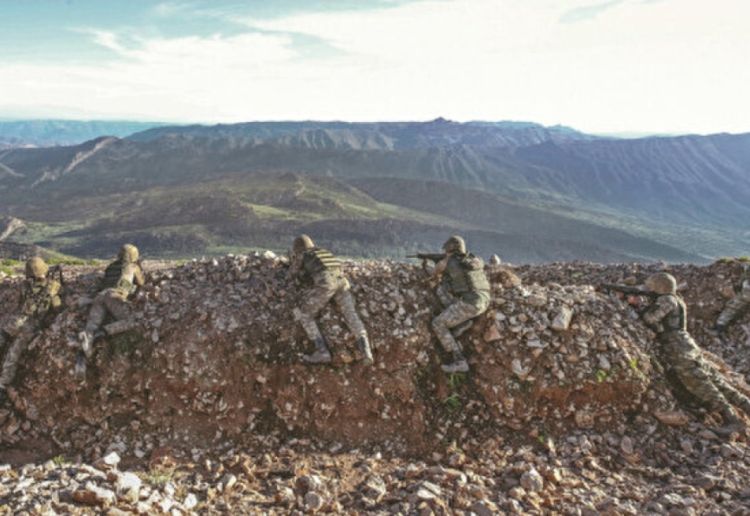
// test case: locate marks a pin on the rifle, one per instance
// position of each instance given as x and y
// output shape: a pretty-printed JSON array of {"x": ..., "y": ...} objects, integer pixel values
[
  {"x": 629, "y": 291},
  {"x": 433, "y": 257}
]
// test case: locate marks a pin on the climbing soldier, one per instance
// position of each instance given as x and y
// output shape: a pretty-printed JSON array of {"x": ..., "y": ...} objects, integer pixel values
[
  {"x": 40, "y": 296},
  {"x": 121, "y": 279},
  {"x": 322, "y": 273},
  {"x": 737, "y": 305},
  {"x": 667, "y": 316},
  {"x": 464, "y": 292}
]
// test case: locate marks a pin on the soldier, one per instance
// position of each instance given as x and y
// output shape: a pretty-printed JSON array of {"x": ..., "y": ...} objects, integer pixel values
[
  {"x": 121, "y": 278},
  {"x": 667, "y": 316},
  {"x": 39, "y": 296},
  {"x": 321, "y": 269},
  {"x": 464, "y": 291},
  {"x": 737, "y": 305}
]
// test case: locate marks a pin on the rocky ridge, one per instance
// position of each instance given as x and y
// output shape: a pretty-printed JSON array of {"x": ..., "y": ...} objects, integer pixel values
[{"x": 207, "y": 404}]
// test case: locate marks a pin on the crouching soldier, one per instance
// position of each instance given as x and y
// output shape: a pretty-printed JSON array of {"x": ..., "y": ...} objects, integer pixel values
[
  {"x": 464, "y": 291},
  {"x": 39, "y": 298},
  {"x": 667, "y": 316},
  {"x": 121, "y": 279},
  {"x": 322, "y": 272},
  {"x": 737, "y": 305}
]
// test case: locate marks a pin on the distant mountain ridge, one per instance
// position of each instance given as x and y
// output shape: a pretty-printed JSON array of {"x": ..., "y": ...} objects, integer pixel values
[
  {"x": 46, "y": 133},
  {"x": 511, "y": 184}
]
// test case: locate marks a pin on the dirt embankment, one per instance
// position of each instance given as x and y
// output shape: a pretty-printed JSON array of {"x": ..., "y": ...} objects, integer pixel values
[
  {"x": 218, "y": 357},
  {"x": 208, "y": 404}
]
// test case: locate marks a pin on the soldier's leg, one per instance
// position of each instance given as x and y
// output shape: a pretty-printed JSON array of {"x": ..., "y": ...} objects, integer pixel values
[
  {"x": 730, "y": 393},
  {"x": 345, "y": 302},
  {"x": 121, "y": 312},
  {"x": 97, "y": 313},
  {"x": 734, "y": 308},
  {"x": 451, "y": 317},
  {"x": 315, "y": 300},
  {"x": 13, "y": 355},
  {"x": 447, "y": 299},
  {"x": 694, "y": 374},
  {"x": 445, "y": 296}
]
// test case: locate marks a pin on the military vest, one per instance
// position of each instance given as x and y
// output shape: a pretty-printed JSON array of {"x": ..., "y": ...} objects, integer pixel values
[
  {"x": 38, "y": 298},
  {"x": 676, "y": 320},
  {"x": 465, "y": 274},
  {"x": 114, "y": 277},
  {"x": 318, "y": 260}
]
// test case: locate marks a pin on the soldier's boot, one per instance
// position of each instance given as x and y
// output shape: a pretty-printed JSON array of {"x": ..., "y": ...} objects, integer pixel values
[
  {"x": 321, "y": 355},
  {"x": 80, "y": 365},
  {"x": 120, "y": 326},
  {"x": 462, "y": 328},
  {"x": 86, "y": 339},
  {"x": 363, "y": 344},
  {"x": 733, "y": 423},
  {"x": 459, "y": 364}
]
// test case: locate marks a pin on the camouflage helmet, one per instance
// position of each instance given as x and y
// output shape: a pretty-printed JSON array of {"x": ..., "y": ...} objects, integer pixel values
[
  {"x": 36, "y": 268},
  {"x": 661, "y": 283},
  {"x": 455, "y": 244},
  {"x": 129, "y": 253},
  {"x": 302, "y": 243}
]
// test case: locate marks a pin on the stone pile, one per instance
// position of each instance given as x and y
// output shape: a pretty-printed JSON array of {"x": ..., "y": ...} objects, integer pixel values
[{"x": 206, "y": 406}]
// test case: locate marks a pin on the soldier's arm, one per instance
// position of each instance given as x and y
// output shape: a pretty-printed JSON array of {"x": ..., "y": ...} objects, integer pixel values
[
  {"x": 659, "y": 310},
  {"x": 53, "y": 287},
  {"x": 295, "y": 266},
  {"x": 440, "y": 267},
  {"x": 138, "y": 277}
]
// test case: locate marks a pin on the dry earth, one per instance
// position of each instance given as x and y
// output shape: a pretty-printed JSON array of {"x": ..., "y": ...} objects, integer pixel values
[{"x": 207, "y": 408}]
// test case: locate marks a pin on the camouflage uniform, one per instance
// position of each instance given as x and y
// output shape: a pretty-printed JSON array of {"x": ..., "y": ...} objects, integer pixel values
[
  {"x": 464, "y": 291},
  {"x": 737, "y": 305},
  {"x": 323, "y": 271},
  {"x": 120, "y": 280},
  {"x": 39, "y": 296},
  {"x": 667, "y": 316}
]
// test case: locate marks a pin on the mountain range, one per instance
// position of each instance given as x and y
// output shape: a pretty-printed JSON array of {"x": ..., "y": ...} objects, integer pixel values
[{"x": 522, "y": 190}]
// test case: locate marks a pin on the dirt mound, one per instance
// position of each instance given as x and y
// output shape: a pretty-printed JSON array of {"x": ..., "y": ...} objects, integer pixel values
[
  {"x": 218, "y": 356},
  {"x": 208, "y": 404}
]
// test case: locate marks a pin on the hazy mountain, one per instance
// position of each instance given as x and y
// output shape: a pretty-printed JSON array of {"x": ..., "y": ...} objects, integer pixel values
[
  {"x": 524, "y": 190},
  {"x": 45, "y": 133}
]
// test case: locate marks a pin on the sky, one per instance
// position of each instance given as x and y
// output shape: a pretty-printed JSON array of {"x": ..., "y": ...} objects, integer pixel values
[{"x": 663, "y": 66}]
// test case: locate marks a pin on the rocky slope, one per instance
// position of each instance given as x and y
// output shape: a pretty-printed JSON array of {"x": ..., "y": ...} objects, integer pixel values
[{"x": 207, "y": 407}]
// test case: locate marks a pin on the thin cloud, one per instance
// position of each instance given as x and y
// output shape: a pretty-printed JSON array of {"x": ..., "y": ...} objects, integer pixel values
[
  {"x": 588, "y": 12},
  {"x": 636, "y": 67}
]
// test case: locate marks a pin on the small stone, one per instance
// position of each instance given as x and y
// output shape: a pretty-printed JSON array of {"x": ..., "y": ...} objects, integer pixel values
[
  {"x": 127, "y": 487},
  {"x": 313, "y": 501},
  {"x": 561, "y": 322},
  {"x": 532, "y": 481}
]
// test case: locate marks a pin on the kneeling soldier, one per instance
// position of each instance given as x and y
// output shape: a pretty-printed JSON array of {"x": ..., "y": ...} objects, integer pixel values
[
  {"x": 667, "y": 316},
  {"x": 464, "y": 291},
  {"x": 39, "y": 296},
  {"x": 121, "y": 278},
  {"x": 321, "y": 269}
]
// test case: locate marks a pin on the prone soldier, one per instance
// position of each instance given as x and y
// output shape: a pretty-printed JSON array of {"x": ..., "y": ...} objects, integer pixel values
[
  {"x": 121, "y": 279},
  {"x": 667, "y": 316},
  {"x": 737, "y": 305},
  {"x": 464, "y": 292},
  {"x": 322, "y": 270},
  {"x": 40, "y": 296}
]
